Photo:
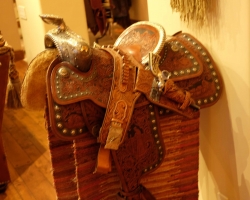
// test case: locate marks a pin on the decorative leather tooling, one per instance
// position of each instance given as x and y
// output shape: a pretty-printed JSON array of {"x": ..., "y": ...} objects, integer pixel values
[{"x": 128, "y": 113}]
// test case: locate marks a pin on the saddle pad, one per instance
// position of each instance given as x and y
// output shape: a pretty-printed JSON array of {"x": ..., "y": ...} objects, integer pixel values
[
  {"x": 62, "y": 161},
  {"x": 176, "y": 178}
]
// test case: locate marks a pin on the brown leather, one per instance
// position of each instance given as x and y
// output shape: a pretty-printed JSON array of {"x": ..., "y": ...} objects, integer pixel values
[
  {"x": 192, "y": 68},
  {"x": 142, "y": 150},
  {"x": 67, "y": 122},
  {"x": 150, "y": 37},
  {"x": 121, "y": 87},
  {"x": 95, "y": 86},
  {"x": 103, "y": 164},
  {"x": 121, "y": 102},
  {"x": 191, "y": 65},
  {"x": 132, "y": 49},
  {"x": 62, "y": 94},
  {"x": 144, "y": 84},
  {"x": 63, "y": 97}
]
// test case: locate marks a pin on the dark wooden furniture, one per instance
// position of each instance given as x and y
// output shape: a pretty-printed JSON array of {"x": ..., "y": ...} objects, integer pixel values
[{"x": 4, "y": 68}]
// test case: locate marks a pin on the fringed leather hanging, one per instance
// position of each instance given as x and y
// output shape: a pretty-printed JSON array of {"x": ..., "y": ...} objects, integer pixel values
[
  {"x": 14, "y": 84},
  {"x": 13, "y": 88},
  {"x": 191, "y": 10}
]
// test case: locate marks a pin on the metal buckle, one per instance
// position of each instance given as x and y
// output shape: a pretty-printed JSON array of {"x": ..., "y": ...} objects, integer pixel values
[{"x": 160, "y": 76}]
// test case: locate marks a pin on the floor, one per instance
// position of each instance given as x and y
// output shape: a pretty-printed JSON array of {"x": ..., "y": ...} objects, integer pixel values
[
  {"x": 109, "y": 38},
  {"x": 26, "y": 146}
]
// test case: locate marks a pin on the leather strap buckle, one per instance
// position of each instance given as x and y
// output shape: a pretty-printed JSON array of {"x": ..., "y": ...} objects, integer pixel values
[{"x": 160, "y": 77}]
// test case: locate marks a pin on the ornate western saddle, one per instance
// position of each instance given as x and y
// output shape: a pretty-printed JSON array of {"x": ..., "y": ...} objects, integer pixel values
[{"x": 123, "y": 120}]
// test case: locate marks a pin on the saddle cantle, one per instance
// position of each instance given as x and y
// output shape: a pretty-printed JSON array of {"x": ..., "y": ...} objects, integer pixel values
[{"x": 122, "y": 96}]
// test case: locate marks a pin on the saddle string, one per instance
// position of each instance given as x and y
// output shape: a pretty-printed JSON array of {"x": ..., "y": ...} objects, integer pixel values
[
  {"x": 140, "y": 191},
  {"x": 172, "y": 91}
]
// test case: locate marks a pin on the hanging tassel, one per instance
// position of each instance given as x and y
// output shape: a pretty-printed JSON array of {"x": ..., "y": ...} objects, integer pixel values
[
  {"x": 13, "y": 93},
  {"x": 14, "y": 85},
  {"x": 191, "y": 10}
]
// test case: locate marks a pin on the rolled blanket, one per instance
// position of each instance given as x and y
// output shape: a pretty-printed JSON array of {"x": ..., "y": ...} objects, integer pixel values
[{"x": 33, "y": 90}]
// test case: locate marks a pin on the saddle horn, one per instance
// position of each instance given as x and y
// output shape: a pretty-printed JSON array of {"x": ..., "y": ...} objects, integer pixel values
[{"x": 71, "y": 46}]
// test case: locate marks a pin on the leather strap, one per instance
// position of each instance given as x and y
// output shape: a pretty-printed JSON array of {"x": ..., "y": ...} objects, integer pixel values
[
  {"x": 132, "y": 49},
  {"x": 121, "y": 101},
  {"x": 103, "y": 164},
  {"x": 169, "y": 99},
  {"x": 119, "y": 108}
]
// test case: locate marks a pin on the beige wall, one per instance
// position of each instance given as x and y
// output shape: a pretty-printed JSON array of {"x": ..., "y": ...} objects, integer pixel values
[
  {"x": 225, "y": 127},
  {"x": 34, "y": 29},
  {"x": 73, "y": 13},
  {"x": 8, "y": 24}
]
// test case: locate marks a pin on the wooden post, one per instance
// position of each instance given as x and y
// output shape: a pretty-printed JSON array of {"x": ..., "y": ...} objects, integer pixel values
[{"x": 4, "y": 69}]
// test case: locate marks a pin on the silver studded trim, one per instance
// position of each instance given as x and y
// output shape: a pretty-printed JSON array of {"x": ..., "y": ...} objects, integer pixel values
[
  {"x": 164, "y": 111},
  {"x": 65, "y": 72},
  {"x": 71, "y": 46},
  {"x": 207, "y": 59},
  {"x": 177, "y": 46},
  {"x": 60, "y": 127},
  {"x": 165, "y": 54},
  {"x": 157, "y": 140}
]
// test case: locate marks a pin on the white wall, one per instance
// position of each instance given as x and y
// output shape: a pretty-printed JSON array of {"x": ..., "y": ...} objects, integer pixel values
[
  {"x": 34, "y": 29},
  {"x": 8, "y": 24},
  {"x": 225, "y": 127}
]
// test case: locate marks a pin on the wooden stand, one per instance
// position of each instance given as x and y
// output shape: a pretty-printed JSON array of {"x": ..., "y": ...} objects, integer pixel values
[{"x": 4, "y": 69}]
